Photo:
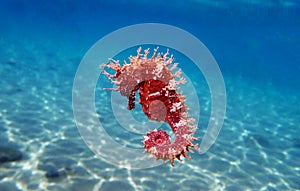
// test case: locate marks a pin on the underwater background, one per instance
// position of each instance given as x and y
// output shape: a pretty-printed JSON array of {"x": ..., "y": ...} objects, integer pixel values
[{"x": 256, "y": 44}]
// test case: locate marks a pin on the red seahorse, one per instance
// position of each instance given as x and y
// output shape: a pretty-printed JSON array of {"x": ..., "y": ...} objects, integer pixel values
[{"x": 157, "y": 86}]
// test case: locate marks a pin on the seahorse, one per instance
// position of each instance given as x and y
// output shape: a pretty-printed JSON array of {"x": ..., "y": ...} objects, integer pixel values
[{"x": 160, "y": 101}]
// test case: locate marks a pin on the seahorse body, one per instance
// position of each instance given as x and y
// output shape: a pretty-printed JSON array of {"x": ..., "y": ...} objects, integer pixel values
[{"x": 157, "y": 88}]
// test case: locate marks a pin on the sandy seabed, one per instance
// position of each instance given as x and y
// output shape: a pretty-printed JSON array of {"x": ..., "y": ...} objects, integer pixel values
[{"x": 257, "y": 149}]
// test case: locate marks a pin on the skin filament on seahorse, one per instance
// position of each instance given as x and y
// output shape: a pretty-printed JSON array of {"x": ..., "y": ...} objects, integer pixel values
[{"x": 157, "y": 87}]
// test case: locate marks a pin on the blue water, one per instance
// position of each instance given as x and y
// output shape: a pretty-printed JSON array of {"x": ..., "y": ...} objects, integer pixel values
[{"x": 255, "y": 43}]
